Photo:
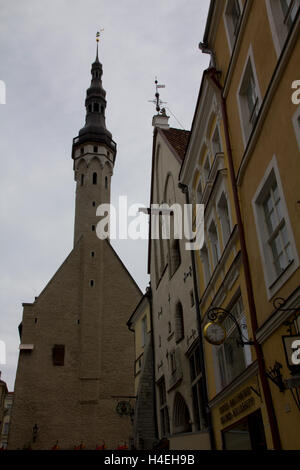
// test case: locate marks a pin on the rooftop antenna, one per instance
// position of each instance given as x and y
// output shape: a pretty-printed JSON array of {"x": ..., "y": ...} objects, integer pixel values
[{"x": 157, "y": 101}]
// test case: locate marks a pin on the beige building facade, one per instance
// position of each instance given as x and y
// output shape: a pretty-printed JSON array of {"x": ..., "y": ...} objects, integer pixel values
[
  {"x": 76, "y": 352},
  {"x": 178, "y": 368},
  {"x": 248, "y": 268}
]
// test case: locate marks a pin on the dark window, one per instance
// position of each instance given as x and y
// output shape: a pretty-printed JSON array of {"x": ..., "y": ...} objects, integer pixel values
[
  {"x": 89, "y": 108},
  {"x": 82, "y": 150},
  {"x": 102, "y": 109},
  {"x": 92, "y": 254},
  {"x": 106, "y": 182},
  {"x": 93, "y": 228},
  {"x": 58, "y": 355},
  {"x": 179, "y": 325},
  {"x": 82, "y": 180},
  {"x": 92, "y": 283},
  {"x": 96, "y": 107},
  {"x": 94, "y": 178},
  {"x": 197, "y": 390},
  {"x": 94, "y": 203},
  {"x": 164, "y": 413},
  {"x": 95, "y": 149},
  {"x": 247, "y": 434}
]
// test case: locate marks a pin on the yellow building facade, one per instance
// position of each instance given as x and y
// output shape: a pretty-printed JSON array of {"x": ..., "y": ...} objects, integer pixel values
[{"x": 242, "y": 163}]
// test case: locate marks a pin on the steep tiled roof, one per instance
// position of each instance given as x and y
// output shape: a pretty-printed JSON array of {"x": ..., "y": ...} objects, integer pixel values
[{"x": 178, "y": 139}]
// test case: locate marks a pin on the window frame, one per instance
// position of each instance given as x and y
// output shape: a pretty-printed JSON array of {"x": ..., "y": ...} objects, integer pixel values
[
  {"x": 279, "y": 29},
  {"x": 273, "y": 282},
  {"x": 246, "y": 115},
  {"x": 231, "y": 331},
  {"x": 232, "y": 35}
]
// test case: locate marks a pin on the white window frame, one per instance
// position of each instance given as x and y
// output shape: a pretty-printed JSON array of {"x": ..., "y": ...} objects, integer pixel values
[
  {"x": 273, "y": 282},
  {"x": 279, "y": 29},
  {"x": 241, "y": 100},
  {"x": 296, "y": 124},
  {"x": 230, "y": 37}
]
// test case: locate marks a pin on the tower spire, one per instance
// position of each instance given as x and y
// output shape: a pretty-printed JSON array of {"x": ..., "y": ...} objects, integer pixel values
[{"x": 95, "y": 104}]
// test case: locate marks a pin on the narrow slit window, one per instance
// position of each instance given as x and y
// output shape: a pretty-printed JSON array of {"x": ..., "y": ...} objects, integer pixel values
[
  {"x": 94, "y": 178},
  {"x": 106, "y": 182},
  {"x": 58, "y": 355},
  {"x": 81, "y": 180},
  {"x": 96, "y": 107}
]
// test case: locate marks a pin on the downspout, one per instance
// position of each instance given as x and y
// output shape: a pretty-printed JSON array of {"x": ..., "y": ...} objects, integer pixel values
[
  {"x": 252, "y": 309},
  {"x": 185, "y": 190}
]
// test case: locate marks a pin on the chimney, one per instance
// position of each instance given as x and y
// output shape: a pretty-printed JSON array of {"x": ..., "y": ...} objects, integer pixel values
[{"x": 161, "y": 120}]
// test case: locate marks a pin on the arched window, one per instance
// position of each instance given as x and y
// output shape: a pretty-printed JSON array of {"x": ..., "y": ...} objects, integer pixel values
[
  {"x": 181, "y": 415},
  {"x": 179, "y": 324},
  {"x": 95, "y": 178},
  {"x": 96, "y": 107}
]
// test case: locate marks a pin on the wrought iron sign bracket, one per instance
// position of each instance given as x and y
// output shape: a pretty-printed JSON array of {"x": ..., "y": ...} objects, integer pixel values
[{"x": 218, "y": 315}]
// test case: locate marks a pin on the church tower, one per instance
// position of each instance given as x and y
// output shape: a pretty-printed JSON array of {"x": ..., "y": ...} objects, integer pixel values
[
  {"x": 94, "y": 153},
  {"x": 76, "y": 352}
]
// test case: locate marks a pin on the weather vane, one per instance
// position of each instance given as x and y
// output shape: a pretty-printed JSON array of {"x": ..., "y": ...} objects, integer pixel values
[
  {"x": 157, "y": 100},
  {"x": 98, "y": 34}
]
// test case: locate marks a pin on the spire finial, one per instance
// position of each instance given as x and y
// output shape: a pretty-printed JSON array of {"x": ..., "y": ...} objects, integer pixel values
[{"x": 98, "y": 34}]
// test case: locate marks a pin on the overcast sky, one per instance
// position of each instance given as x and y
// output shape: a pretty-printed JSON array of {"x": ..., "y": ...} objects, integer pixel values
[{"x": 46, "y": 50}]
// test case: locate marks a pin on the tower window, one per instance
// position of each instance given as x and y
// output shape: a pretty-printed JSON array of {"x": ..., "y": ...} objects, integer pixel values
[
  {"x": 92, "y": 254},
  {"x": 58, "y": 355},
  {"x": 81, "y": 180},
  {"x": 91, "y": 283},
  {"x": 106, "y": 182},
  {"x": 96, "y": 107},
  {"x": 82, "y": 150},
  {"x": 94, "y": 204},
  {"x": 96, "y": 149},
  {"x": 89, "y": 108},
  {"x": 93, "y": 228},
  {"x": 102, "y": 109},
  {"x": 94, "y": 178}
]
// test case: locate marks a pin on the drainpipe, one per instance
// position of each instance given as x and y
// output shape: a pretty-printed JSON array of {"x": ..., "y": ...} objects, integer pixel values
[
  {"x": 252, "y": 309},
  {"x": 185, "y": 190}
]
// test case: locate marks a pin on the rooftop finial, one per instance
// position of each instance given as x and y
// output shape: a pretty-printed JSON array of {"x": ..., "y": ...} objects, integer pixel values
[{"x": 157, "y": 101}]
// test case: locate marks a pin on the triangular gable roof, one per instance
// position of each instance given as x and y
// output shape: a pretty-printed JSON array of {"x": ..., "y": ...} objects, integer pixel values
[{"x": 177, "y": 140}]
